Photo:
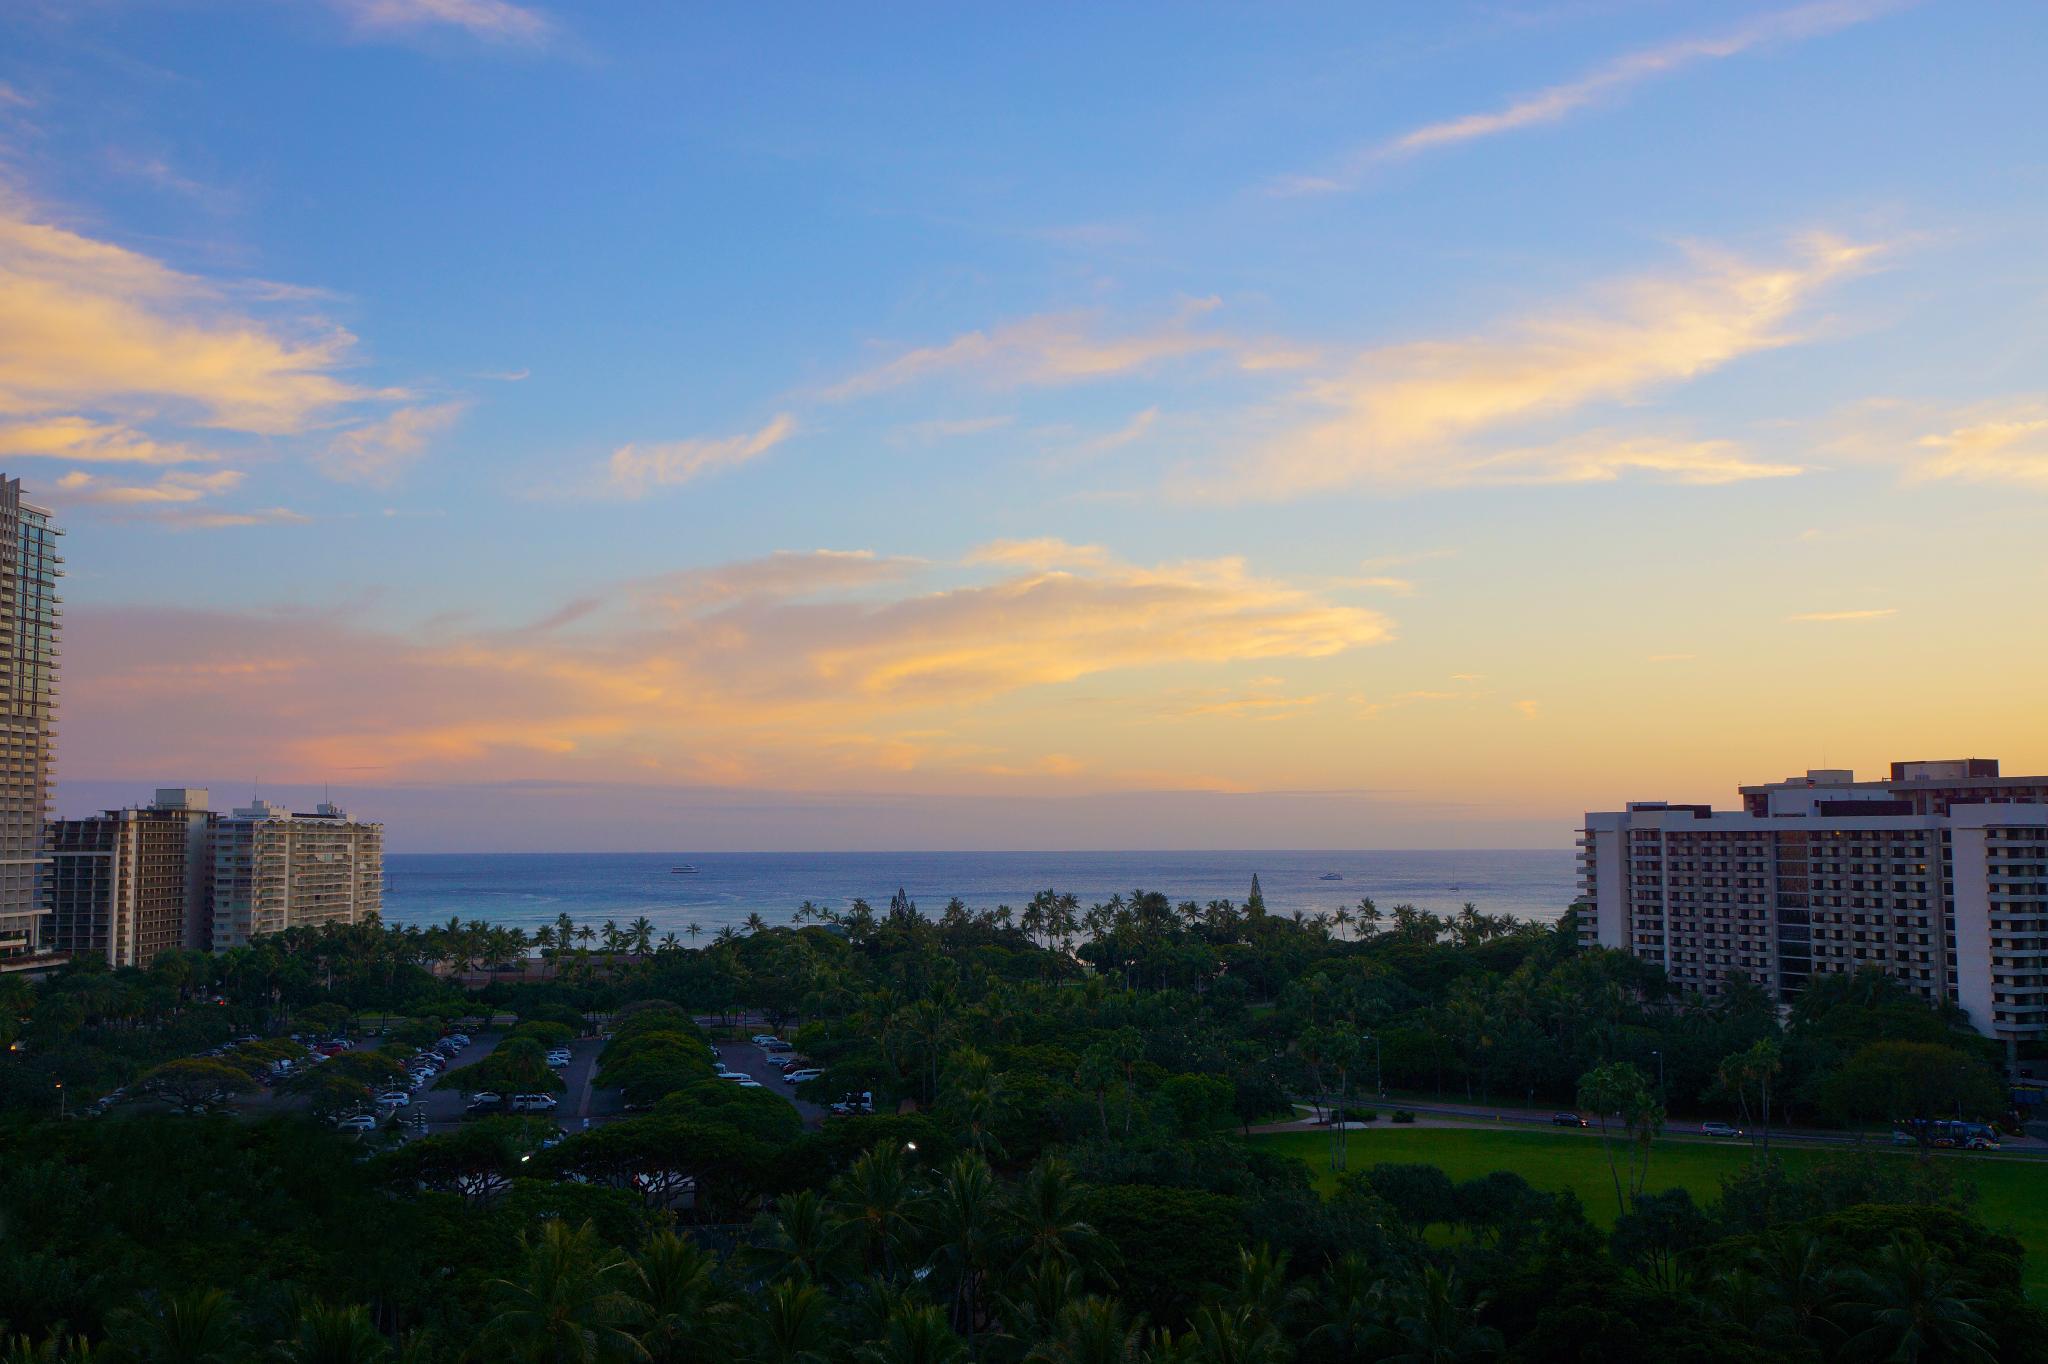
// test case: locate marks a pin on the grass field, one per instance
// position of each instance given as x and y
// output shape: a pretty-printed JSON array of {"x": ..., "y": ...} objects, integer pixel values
[{"x": 2012, "y": 1192}]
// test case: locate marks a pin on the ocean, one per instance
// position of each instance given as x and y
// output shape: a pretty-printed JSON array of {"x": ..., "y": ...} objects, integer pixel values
[{"x": 527, "y": 889}]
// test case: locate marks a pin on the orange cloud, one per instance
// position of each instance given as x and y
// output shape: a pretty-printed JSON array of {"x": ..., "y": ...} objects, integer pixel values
[
  {"x": 635, "y": 470},
  {"x": 798, "y": 669},
  {"x": 375, "y": 451},
  {"x": 83, "y": 441},
  {"x": 86, "y": 322},
  {"x": 1404, "y": 416}
]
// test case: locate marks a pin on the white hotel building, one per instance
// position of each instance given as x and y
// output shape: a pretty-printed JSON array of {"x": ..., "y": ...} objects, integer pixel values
[{"x": 1939, "y": 876}]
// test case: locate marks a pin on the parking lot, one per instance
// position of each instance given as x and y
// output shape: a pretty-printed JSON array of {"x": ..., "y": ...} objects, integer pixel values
[
  {"x": 750, "y": 1059},
  {"x": 443, "y": 1108}
]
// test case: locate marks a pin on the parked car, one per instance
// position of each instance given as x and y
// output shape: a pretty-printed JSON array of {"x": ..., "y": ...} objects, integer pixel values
[
  {"x": 558, "y": 1059},
  {"x": 762, "y": 1039},
  {"x": 356, "y": 1122},
  {"x": 484, "y": 1096},
  {"x": 532, "y": 1103},
  {"x": 1567, "y": 1120},
  {"x": 778, "y": 1045},
  {"x": 1719, "y": 1129},
  {"x": 744, "y": 1083},
  {"x": 797, "y": 1077},
  {"x": 397, "y": 1098}
]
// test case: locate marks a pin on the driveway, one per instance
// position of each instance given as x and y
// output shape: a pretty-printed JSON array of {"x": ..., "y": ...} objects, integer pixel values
[{"x": 750, "y": 1059}]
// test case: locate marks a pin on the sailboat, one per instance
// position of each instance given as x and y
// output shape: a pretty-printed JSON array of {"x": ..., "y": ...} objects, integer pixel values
[{"x": 687, "y": 869}]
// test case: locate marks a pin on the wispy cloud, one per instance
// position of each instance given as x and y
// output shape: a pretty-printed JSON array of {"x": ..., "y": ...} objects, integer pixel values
[
  {"x": 2011, "y": 448},
  {"x": 636, "y": 470},
  {"x": 1405, "y": 416},
  {"x": 1050, "y": 348},
  {"x": 1601, "y": 85},
  {"x": 186, "y": 518},
  {"x": 1402, "y": 587},
  {"x": 176, "y": 487},
  {"x": 80, "y": 440},
  {"x": 375, "y": 452},
  {"x": 1045, "y": 552},
  {"x": 1843, "y": 617},
  {"x": 497, "y": 20}
]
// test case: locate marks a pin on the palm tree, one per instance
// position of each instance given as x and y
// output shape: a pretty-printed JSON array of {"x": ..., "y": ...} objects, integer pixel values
[
  {"x": 693, "y": 930},
  {"x": 964, "y": 1221},
  {"x": 876, "y": 1196},
  {"x": 1368, "y": 914},
  {"x": 569, "y": 1304},
  {"x": 640, "y": 934},
  {"x": 333, "y": 1335},
  {"x": 675, "y": 1297},
  {"x": 1435, "y": 1323},
  {"x": 1226, "y": 1335},
  {"x": 1090, "y": 1330},
  {"x": 1912, "y": 1306},
  {"x": 800, "y": 1241},
  {"x": 1348, "y": 1306},
  {"x": 914, "y": 1335},
  {"x": 181, "y": 1328},
  {"x": 756, "y": 924},
  {"x": 1046, "y": 1226},
  {"x": 792, "y": 1326}
]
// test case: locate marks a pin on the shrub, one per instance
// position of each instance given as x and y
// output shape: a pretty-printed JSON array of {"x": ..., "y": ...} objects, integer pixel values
[{"x": 1403, "y": 1115}]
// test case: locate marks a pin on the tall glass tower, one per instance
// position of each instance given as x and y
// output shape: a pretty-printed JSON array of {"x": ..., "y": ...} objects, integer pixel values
[{"x": 29, "y": 569}]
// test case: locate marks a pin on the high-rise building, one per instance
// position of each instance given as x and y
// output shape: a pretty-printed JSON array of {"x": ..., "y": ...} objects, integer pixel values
[
  {"x": 274, "y": 870},
  {"x": 29, "y": 569},
  {"x": 1937, "y": 875},
  {"x": 130, "y": 884}
]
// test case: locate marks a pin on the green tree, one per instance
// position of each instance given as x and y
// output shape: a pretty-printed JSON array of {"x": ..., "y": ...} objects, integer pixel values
[
  {"x": 1619, "y": 1091},
  {"x": 567, "y": 1303}
]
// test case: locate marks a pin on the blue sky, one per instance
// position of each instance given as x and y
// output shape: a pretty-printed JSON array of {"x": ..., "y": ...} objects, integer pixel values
[{"x": 1033, "y": 403}]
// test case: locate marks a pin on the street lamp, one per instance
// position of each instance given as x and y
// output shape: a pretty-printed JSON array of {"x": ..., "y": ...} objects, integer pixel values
[
  {"x": 60, "y": 1098},
  {"x": 1658, "y": 1053},
  {"x": 1378, "y": 1081}
]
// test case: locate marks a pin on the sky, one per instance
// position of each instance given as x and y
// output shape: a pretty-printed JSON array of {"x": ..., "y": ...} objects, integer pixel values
[{"x": 638, "y": 425}]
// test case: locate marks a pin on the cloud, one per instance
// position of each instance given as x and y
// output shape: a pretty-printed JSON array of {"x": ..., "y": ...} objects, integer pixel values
[
  {"x": 498, "y": 20},
  {"x": 1529, "y": 710},
  {"x": 636, "y": 470},
  {"x": 185, "y": 518},
  {"x": 2011, "y": 448},
  {"x": 931, "y": 432},
  {"x": 377, "y": 451},
  {"x": 1847, "y": 617},
  {"x": 1402, "y": 587},
  {"x": 1043, "y": 553},
  {"x": 1599, "y": 458},
  {"x": 81, "y": 440},
  {"x": 176, "y": 487},
  {"x": 804, "y": 668},
  {"x": 83, "y": 322},
  {"x": 786, "y": 575},
  {"x": 1050, "y": 348},
  {"x": 1555, "y": 103},
  {"x": 1403, "y": 416}
]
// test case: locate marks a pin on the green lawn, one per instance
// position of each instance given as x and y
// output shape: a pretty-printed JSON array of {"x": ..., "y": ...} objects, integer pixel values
[{"x": 2012, "y": 1192}]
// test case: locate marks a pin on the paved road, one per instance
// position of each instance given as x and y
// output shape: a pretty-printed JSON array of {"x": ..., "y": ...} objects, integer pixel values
[
  {"x": 745, "y": 1056},
  {"x": 443, "y": 1108},
  {"x": 1465, "y": 1115}
]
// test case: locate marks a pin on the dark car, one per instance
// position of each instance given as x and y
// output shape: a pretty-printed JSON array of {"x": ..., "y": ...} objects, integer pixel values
[{"x": 1567, "y": 1120}]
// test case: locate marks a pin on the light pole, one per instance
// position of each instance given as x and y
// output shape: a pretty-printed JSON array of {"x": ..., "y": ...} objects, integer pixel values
[
  {"x": 60, "y": 1099},
  {"x": 1659, "y": 1054},
  {"x": 1379, "y": 1085}
]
